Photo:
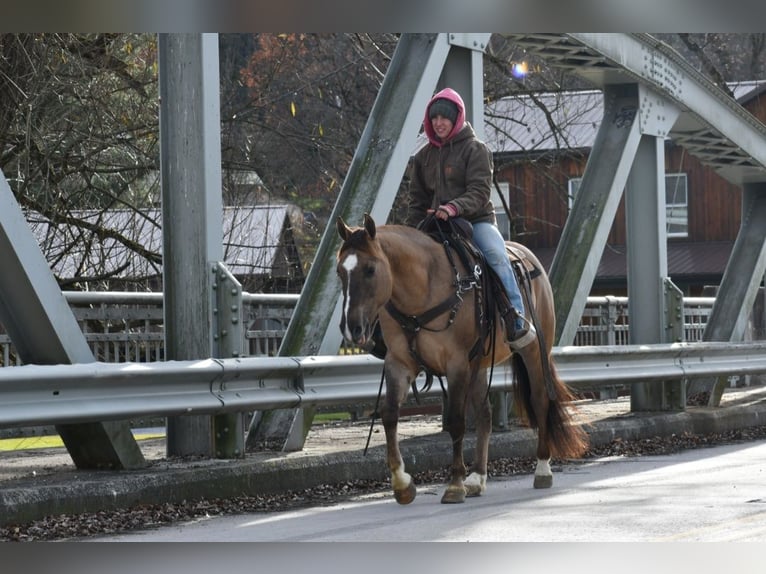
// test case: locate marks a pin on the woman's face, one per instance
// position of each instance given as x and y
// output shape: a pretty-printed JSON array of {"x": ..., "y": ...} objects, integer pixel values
[{"x": 442, "y": 126}]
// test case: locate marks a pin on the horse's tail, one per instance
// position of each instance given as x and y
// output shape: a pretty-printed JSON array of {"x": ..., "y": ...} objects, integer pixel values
[{"x": 566, "y": 439}]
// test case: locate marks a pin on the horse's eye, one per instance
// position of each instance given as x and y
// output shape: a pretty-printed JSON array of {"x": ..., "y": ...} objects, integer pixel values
[{"x": 369, "y": 271}]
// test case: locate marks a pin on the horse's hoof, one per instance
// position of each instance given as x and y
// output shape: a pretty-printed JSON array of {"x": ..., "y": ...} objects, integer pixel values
[
  {"x": 453, "y": 495},
  {"x": 475, "y": 484},
  {"x": 407, "y": 495},
  {"x": 543, "y": 481}
]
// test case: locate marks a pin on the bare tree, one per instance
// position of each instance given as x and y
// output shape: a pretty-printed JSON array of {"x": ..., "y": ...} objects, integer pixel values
[
  {"x": 78, "y": 131},
  {"x": 79, "y": 121}
]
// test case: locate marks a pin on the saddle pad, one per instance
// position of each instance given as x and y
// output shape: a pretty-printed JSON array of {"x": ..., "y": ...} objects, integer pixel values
[{"x": 520, "y": 258}]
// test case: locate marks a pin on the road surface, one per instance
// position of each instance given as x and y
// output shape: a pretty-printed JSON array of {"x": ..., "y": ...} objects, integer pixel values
[{"x": 707, "y": 494}]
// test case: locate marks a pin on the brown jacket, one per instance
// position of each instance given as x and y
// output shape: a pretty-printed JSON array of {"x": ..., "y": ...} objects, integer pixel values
[{"x": 459, "y": 171}]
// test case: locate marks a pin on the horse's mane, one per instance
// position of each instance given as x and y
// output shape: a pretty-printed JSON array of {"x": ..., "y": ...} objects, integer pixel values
[
  {"x": 392, "y": 234},
  {"x": 395, "y": 232}
]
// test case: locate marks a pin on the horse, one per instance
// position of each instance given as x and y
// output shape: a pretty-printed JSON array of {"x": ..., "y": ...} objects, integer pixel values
[{"x": 400, "y": 277}]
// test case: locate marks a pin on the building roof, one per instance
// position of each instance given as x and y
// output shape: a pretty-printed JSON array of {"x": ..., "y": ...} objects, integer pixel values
[
  {"x": 524, "y": 123},
  {"x": 252, "y": 236}
]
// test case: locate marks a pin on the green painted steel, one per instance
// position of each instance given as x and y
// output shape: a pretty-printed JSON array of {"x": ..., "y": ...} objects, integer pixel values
[
  {"x": 41, "y": 325},
  {"x": 585, "y": 233},
  {"x": 739, "y": 286}
]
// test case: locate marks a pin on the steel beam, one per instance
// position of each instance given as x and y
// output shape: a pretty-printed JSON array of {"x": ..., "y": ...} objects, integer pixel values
[
  {"x": 648, "y": 284},
  {"x": 43, "y": 329},
  {"x": 583, "y": 239},
  {"x": 192, "y": 212},
  {"x": 739, "y": 286},
  {"x": 709, "y": 113}
]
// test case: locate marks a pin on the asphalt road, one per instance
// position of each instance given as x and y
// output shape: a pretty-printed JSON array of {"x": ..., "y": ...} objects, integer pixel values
[{"x": 709, "y": 494}]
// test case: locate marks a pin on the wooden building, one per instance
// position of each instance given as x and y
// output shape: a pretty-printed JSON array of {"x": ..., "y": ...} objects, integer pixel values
[
  {"x": 539, "y": 169},
  {"x": 121, "y": 249}
]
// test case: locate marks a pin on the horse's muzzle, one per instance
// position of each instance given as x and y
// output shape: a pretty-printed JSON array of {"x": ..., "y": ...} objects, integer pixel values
[{"x": 357, "y": 333}]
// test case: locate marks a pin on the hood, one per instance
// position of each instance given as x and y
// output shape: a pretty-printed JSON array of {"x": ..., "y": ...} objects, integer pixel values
[{"x": 453, "y": 96}]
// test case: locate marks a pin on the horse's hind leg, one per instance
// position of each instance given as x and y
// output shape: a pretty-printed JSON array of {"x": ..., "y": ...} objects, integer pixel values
[
  {"x": 476, "y": 483},
  {"x": 531, "y": 386},
  {"x": 541, "y": 404}
]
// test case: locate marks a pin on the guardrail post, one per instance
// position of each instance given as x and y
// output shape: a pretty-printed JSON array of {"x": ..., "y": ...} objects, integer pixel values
[
  {"x": 610, "y": 313},
  {"x": 228, "y": 336}
]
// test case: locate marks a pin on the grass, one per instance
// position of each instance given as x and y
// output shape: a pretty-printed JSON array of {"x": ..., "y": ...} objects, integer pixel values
[
  {"x": 331, "y": 417},
  {"x": 52, "y": 441}
]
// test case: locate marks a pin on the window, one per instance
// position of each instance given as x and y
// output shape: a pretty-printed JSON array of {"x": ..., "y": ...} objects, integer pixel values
[
  {"x": 676, "y": 202},
  {"x": 676, "y": 205},
  {"x": 503, "y": 223},
  {"x": 572, "y": 188}
]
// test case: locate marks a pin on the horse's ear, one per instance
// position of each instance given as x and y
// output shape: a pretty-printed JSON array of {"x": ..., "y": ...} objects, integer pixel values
[
  {"x": 343, "y": 229},
  {"x": 369, "y": 225}
]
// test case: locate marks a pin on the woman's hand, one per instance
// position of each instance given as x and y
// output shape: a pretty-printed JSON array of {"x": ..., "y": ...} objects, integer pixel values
[{"x": 444, "y": 212}]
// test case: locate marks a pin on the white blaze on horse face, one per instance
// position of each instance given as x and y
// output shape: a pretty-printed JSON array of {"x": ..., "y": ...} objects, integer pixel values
[{"x": 349, "y": 264}]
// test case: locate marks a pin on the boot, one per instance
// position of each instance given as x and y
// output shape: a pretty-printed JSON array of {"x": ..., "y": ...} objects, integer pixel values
[
  {"x": 509, "y": 323},
  {"x": 524, "y": 337},
  {"x": 518, "y": 337}
]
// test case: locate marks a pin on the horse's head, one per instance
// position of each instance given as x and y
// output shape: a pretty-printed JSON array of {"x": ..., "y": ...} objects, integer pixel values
[{"x": 365, "y": 274}]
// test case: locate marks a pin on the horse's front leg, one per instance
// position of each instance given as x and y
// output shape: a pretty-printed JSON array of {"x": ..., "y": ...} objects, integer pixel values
[
  {"x": 397, "y": 387},
  {"x": 455, "y": 425},
  {"x": 476, "y": 483}
]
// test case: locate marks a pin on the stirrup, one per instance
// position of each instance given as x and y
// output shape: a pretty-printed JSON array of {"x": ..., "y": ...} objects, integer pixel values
[{"x": 529, "y": 335}]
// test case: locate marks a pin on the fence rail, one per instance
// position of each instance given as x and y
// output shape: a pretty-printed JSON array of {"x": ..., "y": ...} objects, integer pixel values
[{"x": 128, "y": 327}]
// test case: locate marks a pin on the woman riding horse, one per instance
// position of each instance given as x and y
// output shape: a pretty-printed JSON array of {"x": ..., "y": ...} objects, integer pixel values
[
  {"x": 431, "y": 321},
  {"x": 452, "y": 177}
]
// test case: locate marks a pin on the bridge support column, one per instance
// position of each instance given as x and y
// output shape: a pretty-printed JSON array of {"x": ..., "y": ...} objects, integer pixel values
[
  {"x": 651, "y": 294},
  {"x": 192, "y": 213}
]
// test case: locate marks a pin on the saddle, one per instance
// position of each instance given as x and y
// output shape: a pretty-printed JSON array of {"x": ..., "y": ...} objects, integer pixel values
[{"x": 457, "y": 233}]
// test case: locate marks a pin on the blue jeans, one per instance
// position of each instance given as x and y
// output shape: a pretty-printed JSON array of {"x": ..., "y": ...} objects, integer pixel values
[{"x": 489, "y": 239}]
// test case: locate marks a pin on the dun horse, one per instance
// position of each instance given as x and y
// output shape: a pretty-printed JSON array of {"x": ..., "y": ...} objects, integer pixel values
[{"x": 392, "y": 272}]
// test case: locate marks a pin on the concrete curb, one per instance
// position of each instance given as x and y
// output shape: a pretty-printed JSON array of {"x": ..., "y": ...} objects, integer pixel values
[{"x": 91, "y": 491}]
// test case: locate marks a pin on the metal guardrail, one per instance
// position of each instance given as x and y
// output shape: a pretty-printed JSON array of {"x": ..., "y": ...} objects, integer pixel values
[
  {"x": 593, "y": 367},
  {"x": 55, "y": 394}
]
